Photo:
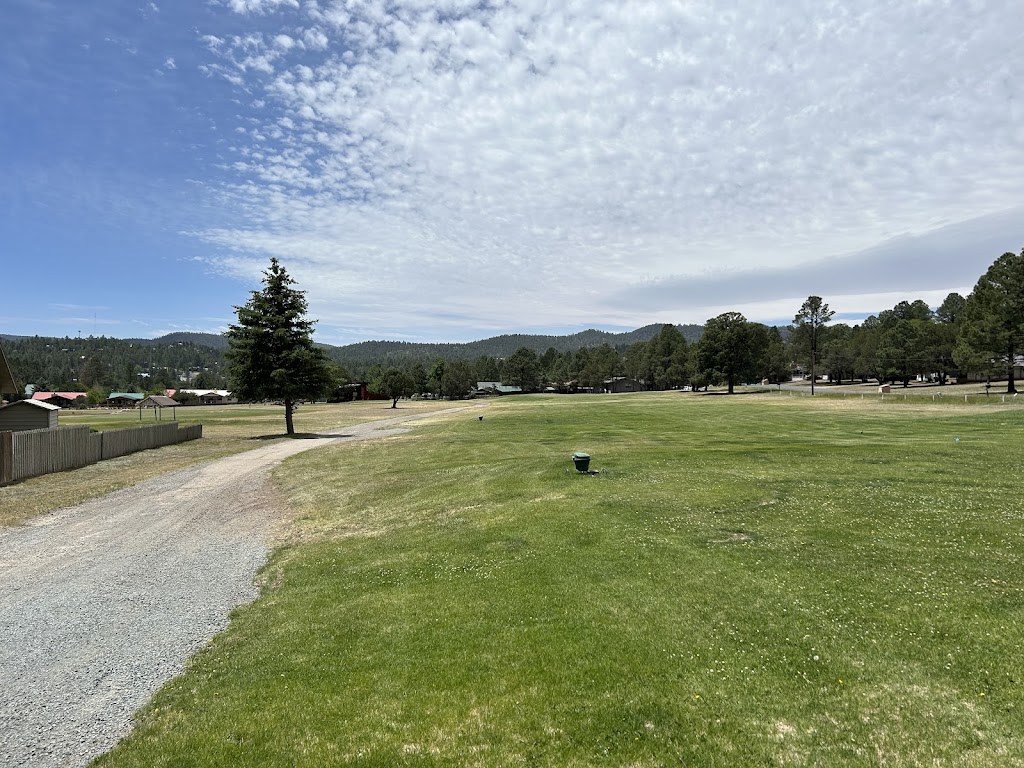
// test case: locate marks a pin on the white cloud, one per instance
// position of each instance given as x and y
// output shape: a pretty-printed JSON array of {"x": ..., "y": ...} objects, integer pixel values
[
  {"x": 533, "y": 162},
  {"x": 315, "y": 39},
  {"x": 284, "y": 42},
  {"x": 259, "y": 6},
  {"x": 77, "y": 307}
]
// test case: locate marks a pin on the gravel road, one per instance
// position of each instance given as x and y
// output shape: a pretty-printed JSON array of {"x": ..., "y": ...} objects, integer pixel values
[{"x": 102, "y": 603}]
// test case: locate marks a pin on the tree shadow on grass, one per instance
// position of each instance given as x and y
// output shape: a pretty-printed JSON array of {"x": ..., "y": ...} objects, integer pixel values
[
  {"x": 734, "y": 394},
  {"x": 299, "y": 436}
]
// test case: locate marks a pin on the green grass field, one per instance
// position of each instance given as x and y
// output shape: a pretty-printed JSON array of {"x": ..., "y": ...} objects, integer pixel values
[{"x": 751, "y": 581}]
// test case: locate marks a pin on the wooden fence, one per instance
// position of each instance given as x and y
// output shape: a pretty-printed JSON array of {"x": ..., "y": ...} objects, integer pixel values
[{"x": 41, "y": 451}]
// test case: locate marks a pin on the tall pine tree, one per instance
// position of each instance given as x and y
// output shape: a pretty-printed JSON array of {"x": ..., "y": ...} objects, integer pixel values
[
  {"x": 809, "y": 330},
  {"x": 992, "y": 321},
  {"x": 271, "y": 354}
]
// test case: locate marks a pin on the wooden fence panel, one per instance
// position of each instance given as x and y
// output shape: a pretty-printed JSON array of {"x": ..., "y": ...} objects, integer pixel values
[
  {"x": 121, "y": 442},
  {"x": 190, "y": 432},
  {"x": 41, "y": 451},
  {"x": 6, "y": 458},
  {"x": 94, "y": 448}
]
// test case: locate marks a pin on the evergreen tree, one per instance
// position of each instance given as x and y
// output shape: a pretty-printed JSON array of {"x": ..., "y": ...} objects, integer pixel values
[
  {"x": 602, "y": 365},
  {"x": 418, "y": 374},
  {"x": 774, "y": 359},
  {"x": 458, "y": 379},
  {"x": 992, "y": 326},
  {"x": 951, "y": 309},
  {"x": 435, "y": 377},
  {"x": 898, "y": 349},
  {"x": 729, "y": 350},
  {"x": 93, "y": 373},
  {"x": 523, "y": 370},
  {"x": 271, "y": 354},
  {"x": 809, "y": 330}
]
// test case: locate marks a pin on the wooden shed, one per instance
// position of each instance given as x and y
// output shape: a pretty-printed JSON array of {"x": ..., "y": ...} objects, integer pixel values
[{"x": 28, "y": 414}]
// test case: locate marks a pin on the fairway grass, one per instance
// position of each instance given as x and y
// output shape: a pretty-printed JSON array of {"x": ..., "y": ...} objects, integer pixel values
[
  {"x": 750, "y": 581},
  {"x": 226, "y": 430}
]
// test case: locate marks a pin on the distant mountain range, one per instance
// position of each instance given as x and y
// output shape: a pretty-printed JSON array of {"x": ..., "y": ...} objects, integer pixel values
[
  {"x": 385, "y": 352},
  {"x": 66, "y": 362},
  {"x": 400, "y": 352}
]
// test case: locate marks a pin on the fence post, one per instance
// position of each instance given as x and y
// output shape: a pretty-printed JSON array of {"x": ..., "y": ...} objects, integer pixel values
[{"x": 6, "y": 457}]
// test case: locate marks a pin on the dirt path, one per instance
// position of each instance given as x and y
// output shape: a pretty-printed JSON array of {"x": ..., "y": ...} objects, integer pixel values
[{"x": 102, "y": 603}]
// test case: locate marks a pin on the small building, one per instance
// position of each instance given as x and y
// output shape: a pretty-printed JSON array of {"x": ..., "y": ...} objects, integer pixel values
[
  {"x": 60, "y": 399},
  {"x": 620, "y": 384},
  {"x": 212, "y": 396},
  {"x": 496, "y": 388},
  {"x": 123, "y": 399},
  {"x": 999, "y": 374},
  {"x": 24, "y": 415}
]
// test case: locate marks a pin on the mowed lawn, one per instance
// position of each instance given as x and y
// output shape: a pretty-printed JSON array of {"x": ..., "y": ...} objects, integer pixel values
[{"x": 751, "y": 581}]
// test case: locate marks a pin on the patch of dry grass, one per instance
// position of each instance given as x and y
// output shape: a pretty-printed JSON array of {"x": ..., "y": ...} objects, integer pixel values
[{"x": 226, "y": 430}]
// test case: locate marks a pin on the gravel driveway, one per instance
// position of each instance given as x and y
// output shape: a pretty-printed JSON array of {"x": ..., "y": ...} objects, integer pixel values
[{"x": 102, "y": 603}]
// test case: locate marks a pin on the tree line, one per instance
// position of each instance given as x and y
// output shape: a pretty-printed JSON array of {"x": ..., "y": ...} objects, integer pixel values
[{"x": 981, "y": 334}]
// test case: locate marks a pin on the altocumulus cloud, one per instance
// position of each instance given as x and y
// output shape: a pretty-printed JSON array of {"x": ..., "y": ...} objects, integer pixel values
[{"x": 440, "y": 168}]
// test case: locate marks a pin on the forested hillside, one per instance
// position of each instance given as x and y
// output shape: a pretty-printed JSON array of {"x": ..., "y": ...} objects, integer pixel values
[
  {"x": 215, "y": 340},
  {"x": 131, "y": 365},
  {"x": 360, "y": 357},
  {"x": 197, "y": 359}
]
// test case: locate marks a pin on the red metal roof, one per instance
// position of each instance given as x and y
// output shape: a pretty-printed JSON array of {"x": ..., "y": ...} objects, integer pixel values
[{"x": 48, "y": 395}]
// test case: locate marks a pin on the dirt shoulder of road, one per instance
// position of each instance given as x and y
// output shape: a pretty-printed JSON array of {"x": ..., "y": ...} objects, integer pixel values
[{"x": 227, "y": 431}]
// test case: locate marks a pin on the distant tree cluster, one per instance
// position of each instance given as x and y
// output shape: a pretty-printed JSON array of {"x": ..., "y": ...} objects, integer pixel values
[
  {"x": 982, "y": 334},
  {"x": 125, "y": 365}
]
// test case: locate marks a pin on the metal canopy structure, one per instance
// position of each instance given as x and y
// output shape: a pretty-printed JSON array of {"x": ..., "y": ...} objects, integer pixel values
[
  {"x": 7, "y": 385},
  {"x": 158, "y": 403}
]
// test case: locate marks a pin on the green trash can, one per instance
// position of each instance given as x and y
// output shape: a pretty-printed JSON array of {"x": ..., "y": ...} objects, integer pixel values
[{"x": 582, "y": 461}]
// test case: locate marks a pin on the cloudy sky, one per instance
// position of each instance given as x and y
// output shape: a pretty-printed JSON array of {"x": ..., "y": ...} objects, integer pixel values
[{"x": 445, "y": 170}]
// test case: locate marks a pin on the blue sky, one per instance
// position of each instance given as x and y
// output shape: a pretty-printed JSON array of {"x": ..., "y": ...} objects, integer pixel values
[{"x": 455, "y": 169}]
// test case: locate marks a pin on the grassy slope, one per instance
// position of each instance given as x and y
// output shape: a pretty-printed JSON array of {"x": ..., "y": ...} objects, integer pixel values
[
  {"x": 751, "y": 582},
  {"x": 226, "y": 430}
]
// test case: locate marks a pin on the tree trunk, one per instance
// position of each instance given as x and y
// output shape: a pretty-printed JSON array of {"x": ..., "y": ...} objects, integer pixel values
[
  {"x": 289, "y": 424},
  {"x": 394, "y": 402},
  {"x": 1011, "y": 388}
]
